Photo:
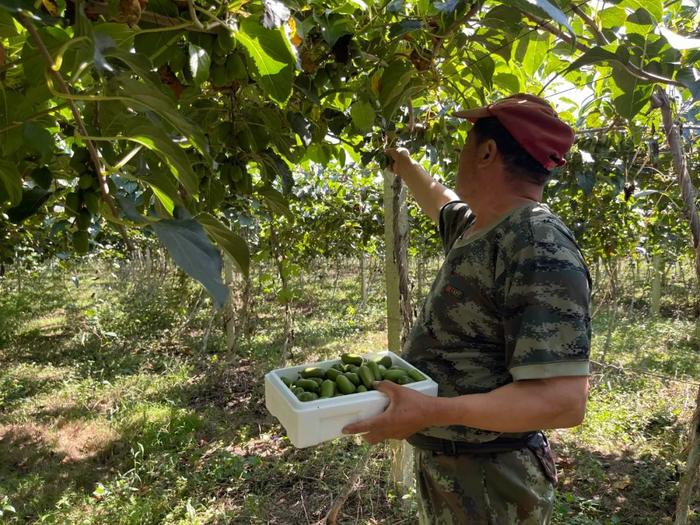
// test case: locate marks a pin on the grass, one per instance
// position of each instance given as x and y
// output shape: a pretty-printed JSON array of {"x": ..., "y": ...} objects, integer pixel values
[{"x": 111, "y": 410}]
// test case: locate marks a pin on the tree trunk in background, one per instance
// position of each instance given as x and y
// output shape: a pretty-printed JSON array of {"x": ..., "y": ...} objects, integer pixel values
[
  {"x": 236, "y": 309},
  {"x": 399, "y": 315},
  {"x": 363, "y": 277},
  {"x": 420, "y": 278},
  {"x": 689, "y": 194},
  {"x": 335, "y": 280},
  {"x": 611, "y": 269},
  {"x": 657, "y": 264},
  {"x": 277, "y": 252}
]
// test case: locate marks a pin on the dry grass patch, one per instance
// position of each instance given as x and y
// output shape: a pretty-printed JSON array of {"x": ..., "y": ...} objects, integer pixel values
[
  {"x": 69, "y": 441},
  {"x": 80, "y": 440}
]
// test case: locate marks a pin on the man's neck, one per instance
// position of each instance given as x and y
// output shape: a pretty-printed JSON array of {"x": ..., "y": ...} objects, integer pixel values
[{"x": 491, "y": 207}]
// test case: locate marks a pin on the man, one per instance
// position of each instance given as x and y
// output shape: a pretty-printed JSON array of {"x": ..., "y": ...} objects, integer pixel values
[{"x": 505, "y": 329}]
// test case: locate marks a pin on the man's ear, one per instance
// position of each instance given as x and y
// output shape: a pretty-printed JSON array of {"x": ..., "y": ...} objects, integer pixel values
[{"x": 486, "y": 152}]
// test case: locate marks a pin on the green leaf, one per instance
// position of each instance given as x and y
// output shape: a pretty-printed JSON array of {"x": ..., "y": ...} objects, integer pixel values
[
  {"x": 10, "y": 183},
  {"x": 164, "y": 198},
  {"x": 363, "y": 115},
  {"x": 275, "y": 166},
  {"x": 396, "y": 6},
  {"x": 231, "y": 243},
  {"x": 301, "y": 126},
  {"x": 274, "y": 61},
  {"x": 509, "y": 82},
  {"x": 128, "y": 207},
  {"x": 137, "y": 62},
  {"x": 547, "y": 10},
  {"x": 640, "y": 22},
  {"x": 7, "y": 25},
  {"x": 630, "y": 103},
  {"x": 405, "y": 26},
  {"x": 485, "y": 67},
  {"x": 612, "y": 17},
  {"x": 138, "y": 130},
  {"x": 593, "y": 56},
  {"x": 42, "y": 177},
  {"x": 144, "y": 96},
  {"x": 163, "y": 7},
  {"x": 335, "y": 26},
  {"x": 164, "y": 187},
  {"x": 156, "y": 45},
  {"x": 199, "y": 64},
  {"x": 275, "y": 200},
  {"x": 318, "y": 153},
  {"x": 653, "y": 7},
  {"x": 32, "y": 62},
  {"x": 15, "y": 6},
  {"x": 585, "y": 179},
  {"x": 31, "y": 201},
  {"x": 504, "y": 18},
  {"x": 395, "y": 80},
  {"x": 38, "y": 139},
  {"x": 121, "y": 35},
  {"x": 625, "y": 81},
  {"x": 688, "y": 78},
  {"x": 533, "y": 51},
  {"x": 359, "y": 4},
  {"x": 188, "y": 245},
  {"x": 446, "y": 6}
]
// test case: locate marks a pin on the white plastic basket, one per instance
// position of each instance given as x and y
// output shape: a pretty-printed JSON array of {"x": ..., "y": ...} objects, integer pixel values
[{"x": 312, "y": 422}]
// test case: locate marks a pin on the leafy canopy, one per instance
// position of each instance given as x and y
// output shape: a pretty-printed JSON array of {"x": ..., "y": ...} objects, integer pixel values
[{"x": 202, "y": 114}]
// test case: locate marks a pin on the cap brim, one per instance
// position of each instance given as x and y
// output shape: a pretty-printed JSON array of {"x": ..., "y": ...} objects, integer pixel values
[{"x": 473, "y": 114}]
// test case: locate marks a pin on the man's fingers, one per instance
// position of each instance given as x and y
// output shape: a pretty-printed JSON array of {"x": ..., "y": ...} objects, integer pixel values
[
  {"x": 387, "y": 387},
  {"x": 395, "y": 153},
  {"x": 365, "y": 425}
]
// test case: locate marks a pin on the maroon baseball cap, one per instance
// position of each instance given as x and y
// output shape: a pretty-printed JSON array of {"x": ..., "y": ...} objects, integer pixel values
[{"x": 533, "y": 124}]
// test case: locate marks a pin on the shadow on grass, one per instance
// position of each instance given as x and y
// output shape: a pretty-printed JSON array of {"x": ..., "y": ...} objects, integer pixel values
[
  {"x": 103, "y": 359},
  {"x": 13, "y": 390},
  {"x": 36, "y": 473},
  {"x": 624, "y": 488}
]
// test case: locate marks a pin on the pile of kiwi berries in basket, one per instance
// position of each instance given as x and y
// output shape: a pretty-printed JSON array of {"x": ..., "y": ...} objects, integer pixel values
[{"x": 353, "y": 375}]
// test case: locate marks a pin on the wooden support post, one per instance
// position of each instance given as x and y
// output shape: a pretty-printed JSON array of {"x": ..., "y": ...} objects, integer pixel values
[
  {"x": 689, "y": 193},
  {"x": 399, "y": 315},
  {"x": 657, "y": 274},
  {"x": 391, "y": 269}
]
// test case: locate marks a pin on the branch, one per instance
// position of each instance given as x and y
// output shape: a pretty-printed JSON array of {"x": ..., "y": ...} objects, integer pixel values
[
  {"x": 555, "y": 31},
  {"x": 688, "y": 191},
  {"x": 156, "y": 19},
  {"x": 600, "y": 37},
  {"x": 689, "y": 194},
  {"x": 193, "y": 15},
  {"x": 332, "y": 516},
  {"x": 646, "y": 75},
  {"x": 460, "y": 21},
  {"x": 106, "y": 196},
  {"x": 35, "y": 116},
  {"x": 630, "y": 68}
]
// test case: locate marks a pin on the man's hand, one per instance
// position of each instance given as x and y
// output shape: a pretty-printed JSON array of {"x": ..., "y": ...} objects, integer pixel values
[
  {"x": 429, "y": 193},
  {"x": 406, "y": 414},
  {"x": 400, "y": 160}
]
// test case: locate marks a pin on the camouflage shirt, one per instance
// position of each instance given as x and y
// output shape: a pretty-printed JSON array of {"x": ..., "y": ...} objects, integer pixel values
[{"x": 510, "y": 302}]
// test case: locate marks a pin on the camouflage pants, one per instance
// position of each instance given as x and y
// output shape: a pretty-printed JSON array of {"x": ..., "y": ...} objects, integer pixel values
[{"x": 508, "y": 488}]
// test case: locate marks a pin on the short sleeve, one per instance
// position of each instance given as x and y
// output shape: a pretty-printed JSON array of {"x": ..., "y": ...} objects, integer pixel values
[
  {"x": 546, "y": 315},
  {"x": 455, "y": 216}
]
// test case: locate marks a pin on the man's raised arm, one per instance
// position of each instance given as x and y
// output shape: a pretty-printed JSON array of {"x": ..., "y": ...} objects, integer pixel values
[{"x": 429, "y": 193}]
